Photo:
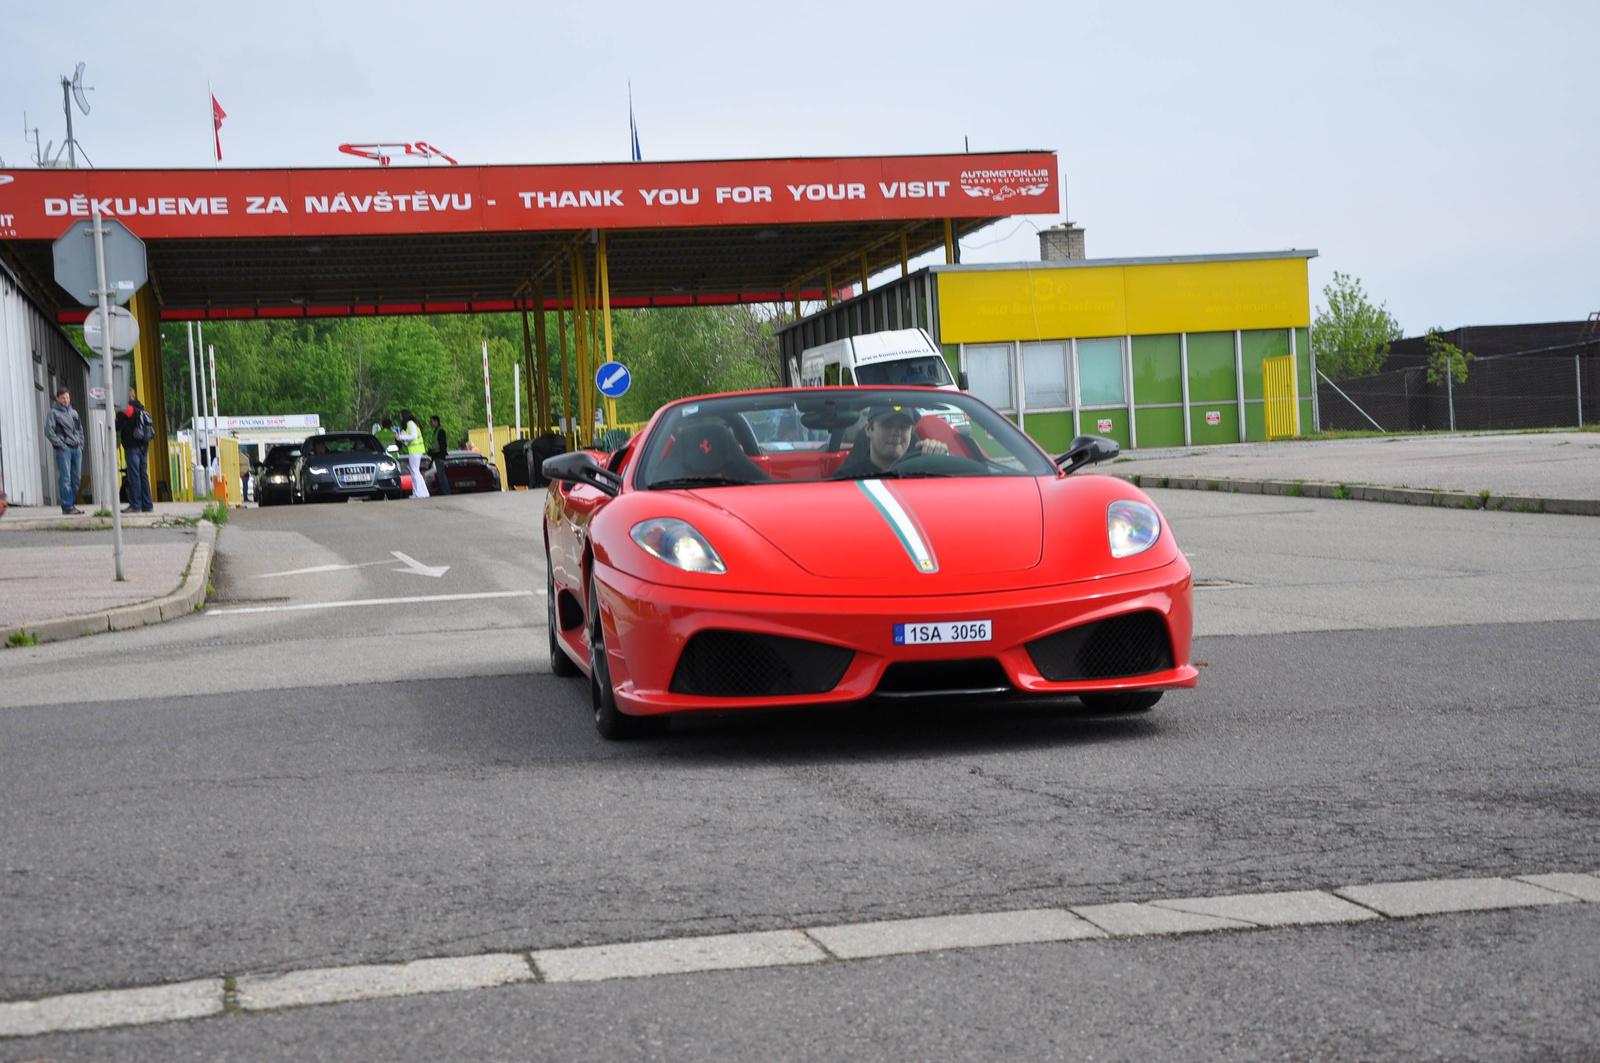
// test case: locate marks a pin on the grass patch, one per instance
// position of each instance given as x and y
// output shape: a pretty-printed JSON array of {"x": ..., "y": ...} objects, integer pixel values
[
  {"x": 21, "y": 638},
  {"x": 1213, "y": 486},
  {"x": 215, "y": 512},
  {"x": 1341, "y": 491},
  {"x": 1134, "y": 479},
  {"x": 104, "y": 514},
  {"x": 1294, "y": 491},
  {"x": 1119, "y": 461}
]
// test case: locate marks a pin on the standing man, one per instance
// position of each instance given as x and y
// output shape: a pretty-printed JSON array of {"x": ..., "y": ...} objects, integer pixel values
[
  {"x": 136, "y": 429},
  {"x": 410, "y": 439},
  {"x": 63, "y": 429},
  {"x": 441, "y": 449}
]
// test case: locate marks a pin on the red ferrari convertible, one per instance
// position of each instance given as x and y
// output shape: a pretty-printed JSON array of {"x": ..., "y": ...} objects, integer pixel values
[{"x": 901, "y": 543}]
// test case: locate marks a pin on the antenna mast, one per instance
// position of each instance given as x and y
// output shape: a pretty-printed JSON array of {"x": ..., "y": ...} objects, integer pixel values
[{"x": 73, "y": 89}]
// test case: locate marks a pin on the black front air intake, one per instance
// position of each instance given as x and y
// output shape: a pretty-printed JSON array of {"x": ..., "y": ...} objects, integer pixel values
[
  {"x": 1115, "y": 648},
  {"x": 743, "y": 664},
  {"x": 978, "y": 675}
]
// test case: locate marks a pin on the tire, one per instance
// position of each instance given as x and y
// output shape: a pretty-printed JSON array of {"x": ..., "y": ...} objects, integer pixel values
[
  {"x": 1120, "y": 703},
  {"x": 613, "y": 724},
  {"x": 560, "y": 663}
]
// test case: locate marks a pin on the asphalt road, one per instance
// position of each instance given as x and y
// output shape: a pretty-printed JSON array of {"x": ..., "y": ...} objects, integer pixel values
[{"x": 1390, "y": 693}]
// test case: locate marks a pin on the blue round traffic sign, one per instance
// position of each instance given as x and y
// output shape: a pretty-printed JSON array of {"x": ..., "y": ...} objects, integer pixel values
[{"x": 613, "y": 379}]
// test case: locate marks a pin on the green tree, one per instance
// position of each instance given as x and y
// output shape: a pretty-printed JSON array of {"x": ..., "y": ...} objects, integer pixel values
[
  {"x": 1351, "y": 336},
  {"x": 1446, "y": 358}
]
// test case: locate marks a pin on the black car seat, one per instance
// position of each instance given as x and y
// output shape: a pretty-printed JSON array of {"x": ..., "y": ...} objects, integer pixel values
[{"x": 709, "y": 449}]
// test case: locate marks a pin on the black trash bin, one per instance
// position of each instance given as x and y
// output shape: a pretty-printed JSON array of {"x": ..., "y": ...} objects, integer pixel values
[
  {"x": 515, "y": 454},
  {"x": 546, "y": 446}
]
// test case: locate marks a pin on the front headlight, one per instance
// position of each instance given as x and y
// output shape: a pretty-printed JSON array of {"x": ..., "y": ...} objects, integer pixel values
[
  {"x": 277, "y": 478},
  {"x": 678, "y": 544},
  {"x": 317, "y": 470},
  {"x": 388, "y": 466},
  {"x": 1132, "y": 527}
]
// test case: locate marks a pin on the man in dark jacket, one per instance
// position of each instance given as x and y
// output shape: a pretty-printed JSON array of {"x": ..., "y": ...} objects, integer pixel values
[
  {"x": 135, "y": 429},
  {"x": 63, "y": 430},
  {"x": 440, "y": 449}
]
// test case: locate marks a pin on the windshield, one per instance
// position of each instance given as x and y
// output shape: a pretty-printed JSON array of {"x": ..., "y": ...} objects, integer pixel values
[
  {"x": 810, "y": 434},
  {"x": 926, "y": 371},
  {"x": 344, "y": 443}
]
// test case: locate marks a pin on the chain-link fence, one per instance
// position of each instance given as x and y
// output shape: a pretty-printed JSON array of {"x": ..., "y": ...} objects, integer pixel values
[{"x": 1515, "y": 391}]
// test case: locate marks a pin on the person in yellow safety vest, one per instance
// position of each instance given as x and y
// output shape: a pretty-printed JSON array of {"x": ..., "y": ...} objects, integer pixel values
[{"x": 410, "y": 439}]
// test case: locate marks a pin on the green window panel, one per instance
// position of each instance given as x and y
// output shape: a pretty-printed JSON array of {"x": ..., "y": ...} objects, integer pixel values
[
  {"x": 1307, "y": 425},
  {"x": 1255, "y": 422},
  {"x": 1211, "y": 376},
  {"x": 1157, "y": 371},
  {"x": 1100, "y": 371},
  {"x": 1161, "y": 427},
  {"x": 1226, "y": 430},
  {"x": 1052, "y": 431},
  {"x": 952, "y": 358},
  {"x": 1089, "y": 423},
  {"x": 1302, "y": 365},
  {"x": 1257, "y": 344}
]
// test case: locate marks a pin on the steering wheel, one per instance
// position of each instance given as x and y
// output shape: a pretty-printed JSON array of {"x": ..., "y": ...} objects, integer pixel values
[{"x": 938, "y": 465}]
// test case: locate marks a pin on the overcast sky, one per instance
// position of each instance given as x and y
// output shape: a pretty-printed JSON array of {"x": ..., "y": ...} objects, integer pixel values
[{"x": 1448, "y": 154}]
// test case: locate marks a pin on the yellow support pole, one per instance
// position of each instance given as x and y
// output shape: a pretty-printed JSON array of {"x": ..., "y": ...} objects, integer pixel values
[
  {"x": 541, "y": 350},
  {"x": 949, "y": 242},
  {"x": 797, "y": 285},
  {"x": 905, "y": 255},
  {"x": 561, "y": 333},
  {"x": 605, "y": 291},
  {"x": 827, "y": 280},
  {"x": 863, "y": 271},
  {"x": 528, "y": 381}
]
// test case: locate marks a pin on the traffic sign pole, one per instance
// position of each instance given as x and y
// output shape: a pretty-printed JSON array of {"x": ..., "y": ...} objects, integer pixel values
[{"x": 104, "y": 491}]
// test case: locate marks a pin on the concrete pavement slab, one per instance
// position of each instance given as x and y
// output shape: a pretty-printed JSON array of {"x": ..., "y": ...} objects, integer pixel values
[
  {"x": 722, "y": 952},
  {"x": 1434, "y": 896},
  {"x": 1583, "y": 887},
  {"x": 1292, "y": 908},
  {"x": 114, "y": 1007},
  {"x": 898, "y": 936},
  {"x": 1125, "y": 919},
  {"x": 330, "y": 985}
]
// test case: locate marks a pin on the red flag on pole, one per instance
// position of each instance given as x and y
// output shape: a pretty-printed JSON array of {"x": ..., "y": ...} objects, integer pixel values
[{"x": 217, "y": 115}]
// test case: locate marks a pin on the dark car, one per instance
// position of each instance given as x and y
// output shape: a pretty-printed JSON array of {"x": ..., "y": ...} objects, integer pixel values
[
  {"x": 275, "y": 478},
  {"x": 344, "y": 465},
  {"x": 467, "y": 470}
]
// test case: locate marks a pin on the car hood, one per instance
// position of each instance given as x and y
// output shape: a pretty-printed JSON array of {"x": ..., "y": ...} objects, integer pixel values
[{"x": 866, "y": 529}]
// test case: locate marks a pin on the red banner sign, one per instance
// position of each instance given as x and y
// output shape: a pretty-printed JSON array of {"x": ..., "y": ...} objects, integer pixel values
[{"x": 158, "y": 204}]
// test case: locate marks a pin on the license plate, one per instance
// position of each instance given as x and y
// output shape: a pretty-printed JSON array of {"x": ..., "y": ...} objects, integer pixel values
[
  {"x": 949, "y": 631},
  {"x": 356, "y": 478}
]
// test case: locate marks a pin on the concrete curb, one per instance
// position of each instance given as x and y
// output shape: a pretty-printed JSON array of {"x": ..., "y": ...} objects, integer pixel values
[
  {"x": 182, "y": 602},
  {"x": 1406, "y": 496},
  {"x": 89, "y": 523}
]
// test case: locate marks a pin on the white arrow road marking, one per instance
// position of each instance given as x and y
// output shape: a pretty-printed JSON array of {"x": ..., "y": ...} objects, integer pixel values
[
  {"x": 408, "y": 600},
  {"x": 320, "y": 568},
  {"x": 418, "y": 568}
]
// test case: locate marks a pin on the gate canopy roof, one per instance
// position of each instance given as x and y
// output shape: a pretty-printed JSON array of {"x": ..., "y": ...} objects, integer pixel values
[{"x": 276, "y": 243}]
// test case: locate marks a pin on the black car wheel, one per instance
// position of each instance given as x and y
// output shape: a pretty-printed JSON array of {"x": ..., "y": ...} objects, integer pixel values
[
  {"x": 1111, "y": 704},
  {"x": 560, "y": 663},
  {"x": 612, "y": 723}
]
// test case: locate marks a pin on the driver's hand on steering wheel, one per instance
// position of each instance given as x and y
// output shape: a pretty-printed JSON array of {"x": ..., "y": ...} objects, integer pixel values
[{"x": 930, "y": 447}]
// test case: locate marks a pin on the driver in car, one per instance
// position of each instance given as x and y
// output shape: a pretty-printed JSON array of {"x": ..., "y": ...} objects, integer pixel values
[{"x": 885, "y": 439}]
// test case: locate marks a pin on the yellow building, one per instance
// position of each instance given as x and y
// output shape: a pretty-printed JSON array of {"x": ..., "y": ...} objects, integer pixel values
[{"x": 1153, "y": 352}]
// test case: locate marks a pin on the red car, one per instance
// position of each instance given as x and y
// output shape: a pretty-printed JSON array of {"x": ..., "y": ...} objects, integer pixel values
[
  {"x": 469, "y": 472},
  {"x": 923, "y": 547}
]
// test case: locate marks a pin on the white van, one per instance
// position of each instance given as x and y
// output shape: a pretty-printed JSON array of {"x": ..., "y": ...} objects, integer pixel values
[{"x": 899, "y": 357}]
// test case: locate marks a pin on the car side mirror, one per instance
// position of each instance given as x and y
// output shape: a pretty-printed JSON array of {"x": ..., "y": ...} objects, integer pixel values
[
  {"x": 294, "y": 453},
  {"x": 392, "y": 449},
  {"x": 962, "y": 381},
  {"x": 580, "y": 467},
  {"x": 1088, "y": 450}
]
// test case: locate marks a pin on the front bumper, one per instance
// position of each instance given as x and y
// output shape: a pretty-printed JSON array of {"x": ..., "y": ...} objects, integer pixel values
[
  {"x": 647, "y": 626},
  {"x": 330, "y": 488}
]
